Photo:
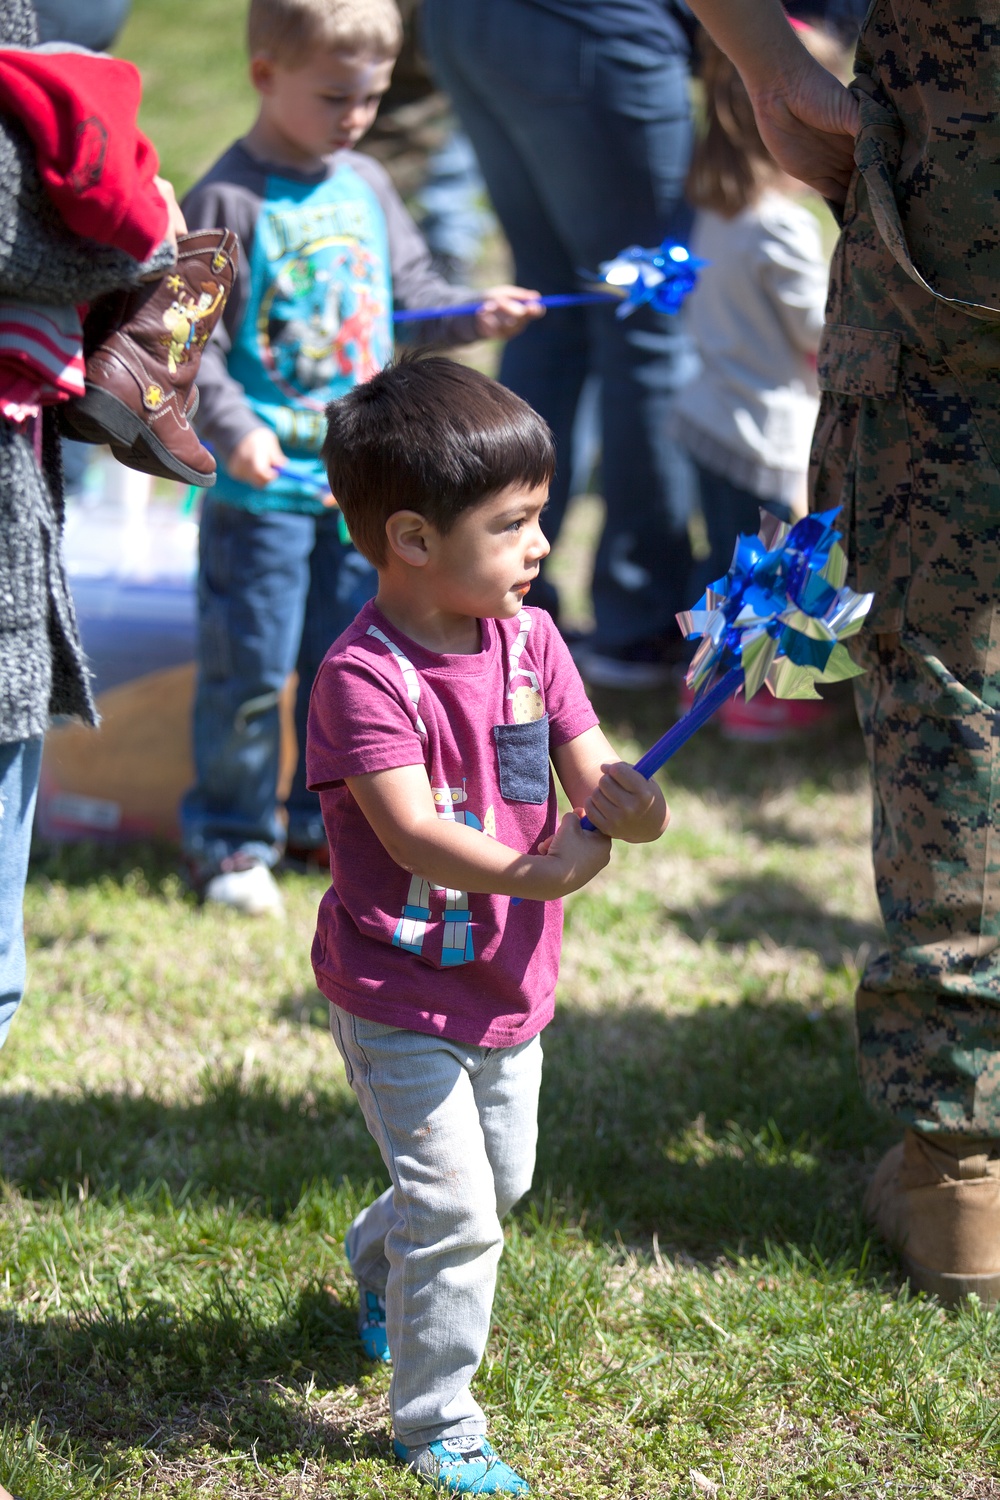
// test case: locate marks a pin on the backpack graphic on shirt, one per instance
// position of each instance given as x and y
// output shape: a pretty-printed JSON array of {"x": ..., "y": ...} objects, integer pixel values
[{"x": 411, "y": 929}]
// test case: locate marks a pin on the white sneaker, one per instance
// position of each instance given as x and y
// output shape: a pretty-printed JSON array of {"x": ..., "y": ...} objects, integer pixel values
[{"x": 253, "y": 891}]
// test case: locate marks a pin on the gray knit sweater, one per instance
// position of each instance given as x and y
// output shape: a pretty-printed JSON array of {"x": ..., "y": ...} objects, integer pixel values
[{"x": 42, "y": 667}]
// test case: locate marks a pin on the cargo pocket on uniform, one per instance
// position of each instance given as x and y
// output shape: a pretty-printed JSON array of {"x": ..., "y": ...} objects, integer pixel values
[
  {"x": 523, "y": 760},
  {"x": 859, "y": 361},
  {"x": 862, "y": 461}
]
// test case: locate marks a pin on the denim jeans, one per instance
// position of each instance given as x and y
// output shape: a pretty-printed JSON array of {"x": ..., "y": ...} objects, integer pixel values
[
  {"x": 20, "y": 764},
  {"x": 584, "y": 144},
  {"x": 454, "y": 219},
  {"x": 728, "y": 511},
  {"x": 274, "y": 592},
  {"x": 94, "y": 25},
  {"x": 457, "y": 1127}
]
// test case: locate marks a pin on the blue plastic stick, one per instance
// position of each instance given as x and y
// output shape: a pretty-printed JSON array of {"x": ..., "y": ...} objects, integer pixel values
[
  {"x": 309, "y": 480},
  {"x": 460, "y": 309},
  {"x": 702, "y": 709}
]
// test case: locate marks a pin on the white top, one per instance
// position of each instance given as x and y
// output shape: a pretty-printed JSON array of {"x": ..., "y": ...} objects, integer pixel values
[{"x": 756, "y": 318}]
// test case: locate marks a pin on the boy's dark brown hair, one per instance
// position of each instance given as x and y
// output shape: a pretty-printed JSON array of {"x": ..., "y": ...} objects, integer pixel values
[{"x": 432, "y": 436}]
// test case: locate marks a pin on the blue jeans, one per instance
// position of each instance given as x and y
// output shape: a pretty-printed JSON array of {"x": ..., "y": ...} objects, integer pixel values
[
  {"x": 729, "y": 511},
  {"x": 94, "y": 25},
  {"x": 457, "y": 1127},
  {"x": 584, "y": 143},
  {"x": 20, "y": 764},
  {"x": 454, "y": 219},
  {"x": 274, "y": 592}
]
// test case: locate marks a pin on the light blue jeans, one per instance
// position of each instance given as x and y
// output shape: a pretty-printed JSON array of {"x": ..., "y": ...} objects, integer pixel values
[
  {"x": 457, "y": 1128},
  {"x": 274, "y": 592},
  {"x": 20, "y": 765}
]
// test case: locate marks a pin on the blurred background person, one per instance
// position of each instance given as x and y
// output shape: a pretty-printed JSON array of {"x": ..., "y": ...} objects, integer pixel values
[
  {"x": 329, "y": 250},
  {"x": 88, "y": 23},
  {"x": 43, "y": 672},
  {"x": 579, "y": 113},
  {"x": 755, "y": 318}
]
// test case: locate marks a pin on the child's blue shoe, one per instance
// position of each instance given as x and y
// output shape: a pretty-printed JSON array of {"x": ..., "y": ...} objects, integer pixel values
[
  {"x": 463, "y": 1466},
  {"x": 371, "y": 1324}
]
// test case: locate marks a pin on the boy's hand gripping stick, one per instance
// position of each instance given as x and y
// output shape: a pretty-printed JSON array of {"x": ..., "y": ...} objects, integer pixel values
[{"x": 661, "y": 277}]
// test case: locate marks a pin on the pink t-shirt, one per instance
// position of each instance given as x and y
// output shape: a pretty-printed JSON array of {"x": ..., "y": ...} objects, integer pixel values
[{"x": 390, "y": 946}]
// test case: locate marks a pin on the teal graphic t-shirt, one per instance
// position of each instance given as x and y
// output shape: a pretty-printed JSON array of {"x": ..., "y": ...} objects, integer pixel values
[
  {"x": 324, "y": 258},
  {"x": 317, "y": 320}
]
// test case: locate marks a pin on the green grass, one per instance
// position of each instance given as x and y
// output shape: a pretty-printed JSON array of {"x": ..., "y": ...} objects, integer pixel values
[
  {"x": 688, "y": 1304},
  {"x": 197, "y": 97}
]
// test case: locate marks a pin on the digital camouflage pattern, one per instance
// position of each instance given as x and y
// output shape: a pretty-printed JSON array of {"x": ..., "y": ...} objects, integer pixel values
[{"x": 908, "y": 441}]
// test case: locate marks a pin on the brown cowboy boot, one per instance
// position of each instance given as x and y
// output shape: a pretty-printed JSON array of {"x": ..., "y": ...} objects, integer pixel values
[
  {"x": 936, "y": 1198},
  {"x": 143, "y": 349}
]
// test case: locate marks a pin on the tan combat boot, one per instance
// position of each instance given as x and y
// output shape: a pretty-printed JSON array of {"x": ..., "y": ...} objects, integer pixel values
[{"x": 936, "y": 1198}]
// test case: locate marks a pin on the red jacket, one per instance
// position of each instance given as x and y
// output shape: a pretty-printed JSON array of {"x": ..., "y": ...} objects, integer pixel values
[{"x": 79, "y": 110}]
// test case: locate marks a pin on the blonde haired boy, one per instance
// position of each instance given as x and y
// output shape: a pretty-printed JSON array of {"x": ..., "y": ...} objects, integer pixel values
[
  {"x": 328, "y": 251},
  {"x": 288, "y": 30}
]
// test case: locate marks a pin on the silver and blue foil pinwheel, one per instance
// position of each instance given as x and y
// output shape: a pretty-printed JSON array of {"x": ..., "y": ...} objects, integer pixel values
[
  {"x": 780, "y": 616},
  {"x": 660, "y": 278}
]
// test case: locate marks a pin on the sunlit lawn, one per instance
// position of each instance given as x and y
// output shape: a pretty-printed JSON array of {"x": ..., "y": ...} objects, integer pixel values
[{"x": 688, "y": 1298}]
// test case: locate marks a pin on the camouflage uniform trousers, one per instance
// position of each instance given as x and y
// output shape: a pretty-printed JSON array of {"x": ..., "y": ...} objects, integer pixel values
[
  {"x": 908, "y": 443},
  {"x": 902, "y": 445}
]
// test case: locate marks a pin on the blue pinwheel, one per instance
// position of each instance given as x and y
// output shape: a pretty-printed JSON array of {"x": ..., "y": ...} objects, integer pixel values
[
  {"x": 780, "y": 616},
  {"x": 661, "y": 277}
]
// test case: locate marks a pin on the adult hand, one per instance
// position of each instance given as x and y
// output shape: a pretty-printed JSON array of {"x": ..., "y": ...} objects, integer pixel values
[
  {"x": 506, "y": 310},
  {"x": 808, "y": 120},
  {"x": 176, "y": 223},
  {"x": 256, "y": 458}
]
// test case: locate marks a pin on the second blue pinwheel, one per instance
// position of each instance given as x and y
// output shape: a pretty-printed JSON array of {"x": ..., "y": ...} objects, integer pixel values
[{"x": 660, "y": 277}]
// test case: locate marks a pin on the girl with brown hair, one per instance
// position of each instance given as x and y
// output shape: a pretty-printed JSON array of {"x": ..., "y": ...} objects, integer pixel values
[{"x": 747, "y": 418}]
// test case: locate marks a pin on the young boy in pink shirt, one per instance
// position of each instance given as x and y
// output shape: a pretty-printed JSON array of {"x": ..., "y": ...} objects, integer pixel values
[{"x": 432, "y": 725}]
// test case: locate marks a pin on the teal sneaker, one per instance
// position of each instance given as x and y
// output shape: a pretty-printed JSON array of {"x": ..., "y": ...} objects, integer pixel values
[
  {"x": 463, "y": 1466},
  {"x": 371, "y": 1325}
]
